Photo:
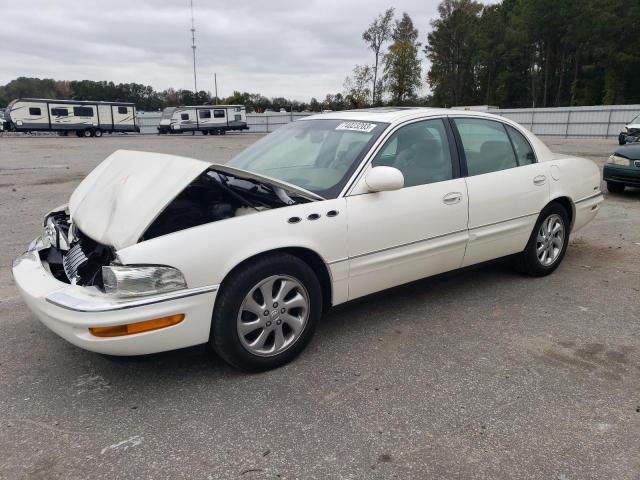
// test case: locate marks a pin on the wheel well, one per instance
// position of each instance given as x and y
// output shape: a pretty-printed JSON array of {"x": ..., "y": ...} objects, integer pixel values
[
  {"x": 308, "y": 256},
  {"x": 568, "y": 206}
]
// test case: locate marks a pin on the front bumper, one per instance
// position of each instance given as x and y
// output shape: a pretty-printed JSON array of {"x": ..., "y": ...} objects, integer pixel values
[
  {"x": 70, "y": 310},
  {"x": 620, "y": 174}
]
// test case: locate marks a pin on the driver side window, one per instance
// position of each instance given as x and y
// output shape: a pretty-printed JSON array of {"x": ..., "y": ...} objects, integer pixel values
[{"x": 420, "y": 151}]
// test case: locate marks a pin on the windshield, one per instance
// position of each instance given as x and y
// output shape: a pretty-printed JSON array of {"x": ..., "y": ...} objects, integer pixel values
[
  {"x": 317, "y": 155},
  {"x": 168, "y": 112},
  {"x": 635, "y": 120}
]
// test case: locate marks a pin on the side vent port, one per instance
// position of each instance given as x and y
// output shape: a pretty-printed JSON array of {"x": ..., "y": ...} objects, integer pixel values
[
  {"x": 294, "y": 220},
  {"x": 332, "y": 213}
]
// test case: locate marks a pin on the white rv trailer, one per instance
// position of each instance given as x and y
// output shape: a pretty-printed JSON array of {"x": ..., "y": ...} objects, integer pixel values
[
  {"x": 208, "y": 119},
  {"x": 86, "y": 118}
]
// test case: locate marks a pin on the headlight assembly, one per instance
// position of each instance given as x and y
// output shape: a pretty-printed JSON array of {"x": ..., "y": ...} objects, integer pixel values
[
  {"x": 616, "y": 160},
  {"x": 625, "y": 130},
  {"x": 136, "y": 281}
]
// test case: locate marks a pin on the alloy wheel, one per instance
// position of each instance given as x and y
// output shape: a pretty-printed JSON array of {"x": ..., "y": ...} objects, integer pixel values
[
  {"x": 550, "y": 240},
  {"x": 273, "y": 315}
]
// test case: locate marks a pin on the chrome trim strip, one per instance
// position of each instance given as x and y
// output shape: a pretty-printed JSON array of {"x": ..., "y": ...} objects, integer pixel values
[
  {"x": 599, "y": 194},
  {"x": 75, "y": 304},
  {"x": 406, "y": 244},
  {"x": 503, "y": 221}
]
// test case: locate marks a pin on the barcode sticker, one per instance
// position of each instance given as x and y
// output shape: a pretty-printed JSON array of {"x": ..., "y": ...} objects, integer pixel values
[{"x": 357, "y": 126}]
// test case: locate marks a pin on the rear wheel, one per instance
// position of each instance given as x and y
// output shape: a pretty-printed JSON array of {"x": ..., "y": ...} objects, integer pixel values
[
  {"x": 87, "y": 133},
  {"x": 266, "y": 313},
  {"x": 98, "y": 133},
  {"x": 547, "y": 244},
  {"x": 615, "y": 187}
]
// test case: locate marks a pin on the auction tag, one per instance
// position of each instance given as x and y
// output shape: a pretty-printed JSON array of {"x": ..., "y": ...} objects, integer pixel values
[{"x": 357, "y": 126}]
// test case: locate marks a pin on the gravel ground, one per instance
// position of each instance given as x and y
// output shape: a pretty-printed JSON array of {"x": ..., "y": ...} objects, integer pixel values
[{"x": 480, "y": 373}]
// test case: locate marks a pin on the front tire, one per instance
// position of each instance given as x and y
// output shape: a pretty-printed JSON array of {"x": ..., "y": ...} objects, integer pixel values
[
  {"x": 266, "y": 312},
  {"x": 615, "y": 187},
  {"x": 87, "y": 133},
  {"x": 98, "y": 133},
  {"x": 547, "y": 244}
]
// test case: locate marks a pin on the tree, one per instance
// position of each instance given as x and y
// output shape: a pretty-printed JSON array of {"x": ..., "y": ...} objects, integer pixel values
[
  {"x": 376, "y": 36},
  {"x": 357, "y": 91},
  {"x": 451, "y": 48},
  {"x": 402, "y": 68}
]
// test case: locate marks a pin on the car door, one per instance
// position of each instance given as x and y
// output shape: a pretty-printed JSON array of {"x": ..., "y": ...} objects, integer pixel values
[
  {"x": 398, "y": 236},
  {"x": 507, "y": 188}
]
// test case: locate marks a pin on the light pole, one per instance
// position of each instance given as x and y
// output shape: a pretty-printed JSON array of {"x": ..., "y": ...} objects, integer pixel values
[{"x": 193, "y": 48}]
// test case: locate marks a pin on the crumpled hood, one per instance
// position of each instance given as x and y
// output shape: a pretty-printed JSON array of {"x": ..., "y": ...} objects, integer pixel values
[{"x": 121, "y": 197}]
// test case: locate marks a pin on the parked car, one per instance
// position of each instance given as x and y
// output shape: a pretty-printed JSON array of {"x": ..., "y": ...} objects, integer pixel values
[
  {"x": 157, "y": 252},
  {"x": 623, "y": 168},
  {"x": 630, "y": 132}
]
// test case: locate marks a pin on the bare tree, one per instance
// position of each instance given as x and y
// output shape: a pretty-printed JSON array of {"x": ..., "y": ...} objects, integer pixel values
[{"x": 375, "y": 36}]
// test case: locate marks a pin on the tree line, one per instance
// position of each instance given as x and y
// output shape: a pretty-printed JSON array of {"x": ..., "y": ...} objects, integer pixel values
[{"x": 516, "y": 53}]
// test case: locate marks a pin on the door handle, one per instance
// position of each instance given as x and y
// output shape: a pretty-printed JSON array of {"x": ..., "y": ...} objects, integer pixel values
[
  {"x": 539, "y": 180},
  {"x": 452, "y": 198}
]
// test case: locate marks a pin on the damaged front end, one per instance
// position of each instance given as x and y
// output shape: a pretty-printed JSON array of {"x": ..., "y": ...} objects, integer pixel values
[
  {"x": 71, "y": 256},
  {"x": 75, "y": 257}
]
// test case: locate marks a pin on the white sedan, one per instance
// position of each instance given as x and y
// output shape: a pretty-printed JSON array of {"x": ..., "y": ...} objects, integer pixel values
[{"x": 158, "y": 252}]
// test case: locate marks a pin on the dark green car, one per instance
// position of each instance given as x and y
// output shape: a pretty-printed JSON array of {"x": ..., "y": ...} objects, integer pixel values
[{"x": 623, "y": 168}]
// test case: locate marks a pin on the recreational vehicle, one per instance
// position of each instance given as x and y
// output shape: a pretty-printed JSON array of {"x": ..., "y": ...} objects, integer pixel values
[
  {"x": 208, "y": 119},
  {"x": 86, "y": 118}
]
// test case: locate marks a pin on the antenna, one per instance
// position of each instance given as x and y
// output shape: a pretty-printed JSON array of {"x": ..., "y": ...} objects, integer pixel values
[{"x": 193, "y": 47}]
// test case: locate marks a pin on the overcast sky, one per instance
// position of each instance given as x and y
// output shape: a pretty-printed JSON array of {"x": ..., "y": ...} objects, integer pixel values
[{"x": 293, "y": 48}]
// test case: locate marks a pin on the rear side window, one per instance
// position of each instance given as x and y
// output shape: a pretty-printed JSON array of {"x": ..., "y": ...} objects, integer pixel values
[
  {"x": 204, "y": 113},
  {"x": 59, "y": 112},
  {"x": 524, "y": 152},
  {"x": 486, "y": 145},
  {"x": 184, "y": 116},
  {"x": 35, "y": 111},
  {"x": 218, "y": 114},
  {"x": 123, "y": 110},
  {"x": 83, "y": 111}
]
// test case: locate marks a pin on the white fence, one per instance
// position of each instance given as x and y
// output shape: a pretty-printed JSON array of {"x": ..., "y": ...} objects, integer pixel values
[{"x": 597, "y": 121}]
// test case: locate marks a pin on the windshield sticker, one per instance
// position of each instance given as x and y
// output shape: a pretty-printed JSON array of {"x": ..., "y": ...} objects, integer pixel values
[{"x": 357, "y": 126}]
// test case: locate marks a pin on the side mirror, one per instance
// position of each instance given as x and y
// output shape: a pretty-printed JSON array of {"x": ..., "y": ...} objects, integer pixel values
[{"x": 382, "y": 179}]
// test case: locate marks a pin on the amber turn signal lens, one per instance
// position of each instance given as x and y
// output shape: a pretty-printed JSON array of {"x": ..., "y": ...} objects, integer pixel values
[{"x": 138, "y": 327}]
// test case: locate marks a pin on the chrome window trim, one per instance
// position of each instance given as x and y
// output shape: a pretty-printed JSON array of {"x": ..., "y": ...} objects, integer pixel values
[{"x": 69, "y": 302}]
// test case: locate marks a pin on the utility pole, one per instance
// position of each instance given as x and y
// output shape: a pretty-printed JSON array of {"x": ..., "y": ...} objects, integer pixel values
[
  {"x": 193, "y": 47},
  {"x": 215, "y": 81}
]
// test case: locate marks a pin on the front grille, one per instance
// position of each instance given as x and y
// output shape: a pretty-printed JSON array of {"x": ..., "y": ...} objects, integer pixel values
[
  {"x": 637, "y": 163},
  {"x": 73, "y": 260}
]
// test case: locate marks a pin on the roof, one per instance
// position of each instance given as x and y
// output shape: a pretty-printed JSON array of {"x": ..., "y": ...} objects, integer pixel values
[
  {"x": 75, "y": 102},
  {"x": 394, "y": 114},
  {"x": 208, "y": 106}
]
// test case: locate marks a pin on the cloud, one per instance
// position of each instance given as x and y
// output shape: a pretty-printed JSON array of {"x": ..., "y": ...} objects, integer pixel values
[{"x": 296, "y": 49}]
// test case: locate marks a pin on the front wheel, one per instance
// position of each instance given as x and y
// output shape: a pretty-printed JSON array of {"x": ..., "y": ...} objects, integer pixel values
[
  {"x": 266, "y": 312},
  {"x": 98, "y": 133},
  {"x": 547, "y": 244}
]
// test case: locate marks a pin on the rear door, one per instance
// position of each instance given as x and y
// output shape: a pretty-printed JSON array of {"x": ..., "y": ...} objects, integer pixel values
[
  {"x": 420, "y": 230},
  {"x": 507, "y": 187}
]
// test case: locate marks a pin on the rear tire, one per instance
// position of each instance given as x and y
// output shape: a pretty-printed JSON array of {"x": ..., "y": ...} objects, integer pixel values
[
  {"x": 615, "y": 187},
  {"x": 98, "y": 133},
  {"x": 547, "y": 244},
  {"x": 87, "y": 133},
  {"x": 285, "y": 317}
]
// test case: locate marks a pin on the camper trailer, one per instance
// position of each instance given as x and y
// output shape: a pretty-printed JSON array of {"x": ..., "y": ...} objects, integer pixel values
[
  {"x": 86, "y": 119},
  {"x": 208, "y": 119}
]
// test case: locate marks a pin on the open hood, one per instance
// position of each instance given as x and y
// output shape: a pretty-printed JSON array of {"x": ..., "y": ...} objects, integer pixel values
[
  {"x": 116, "y": 203},
  {"x": 120, "y": 198}
]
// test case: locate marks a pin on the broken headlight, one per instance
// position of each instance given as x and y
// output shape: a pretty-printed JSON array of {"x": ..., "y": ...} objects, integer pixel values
[{"x": 135, "y": 281}]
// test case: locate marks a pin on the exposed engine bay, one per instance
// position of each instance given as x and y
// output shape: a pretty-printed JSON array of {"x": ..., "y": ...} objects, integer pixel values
[{"x": 73, "y": 257}]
